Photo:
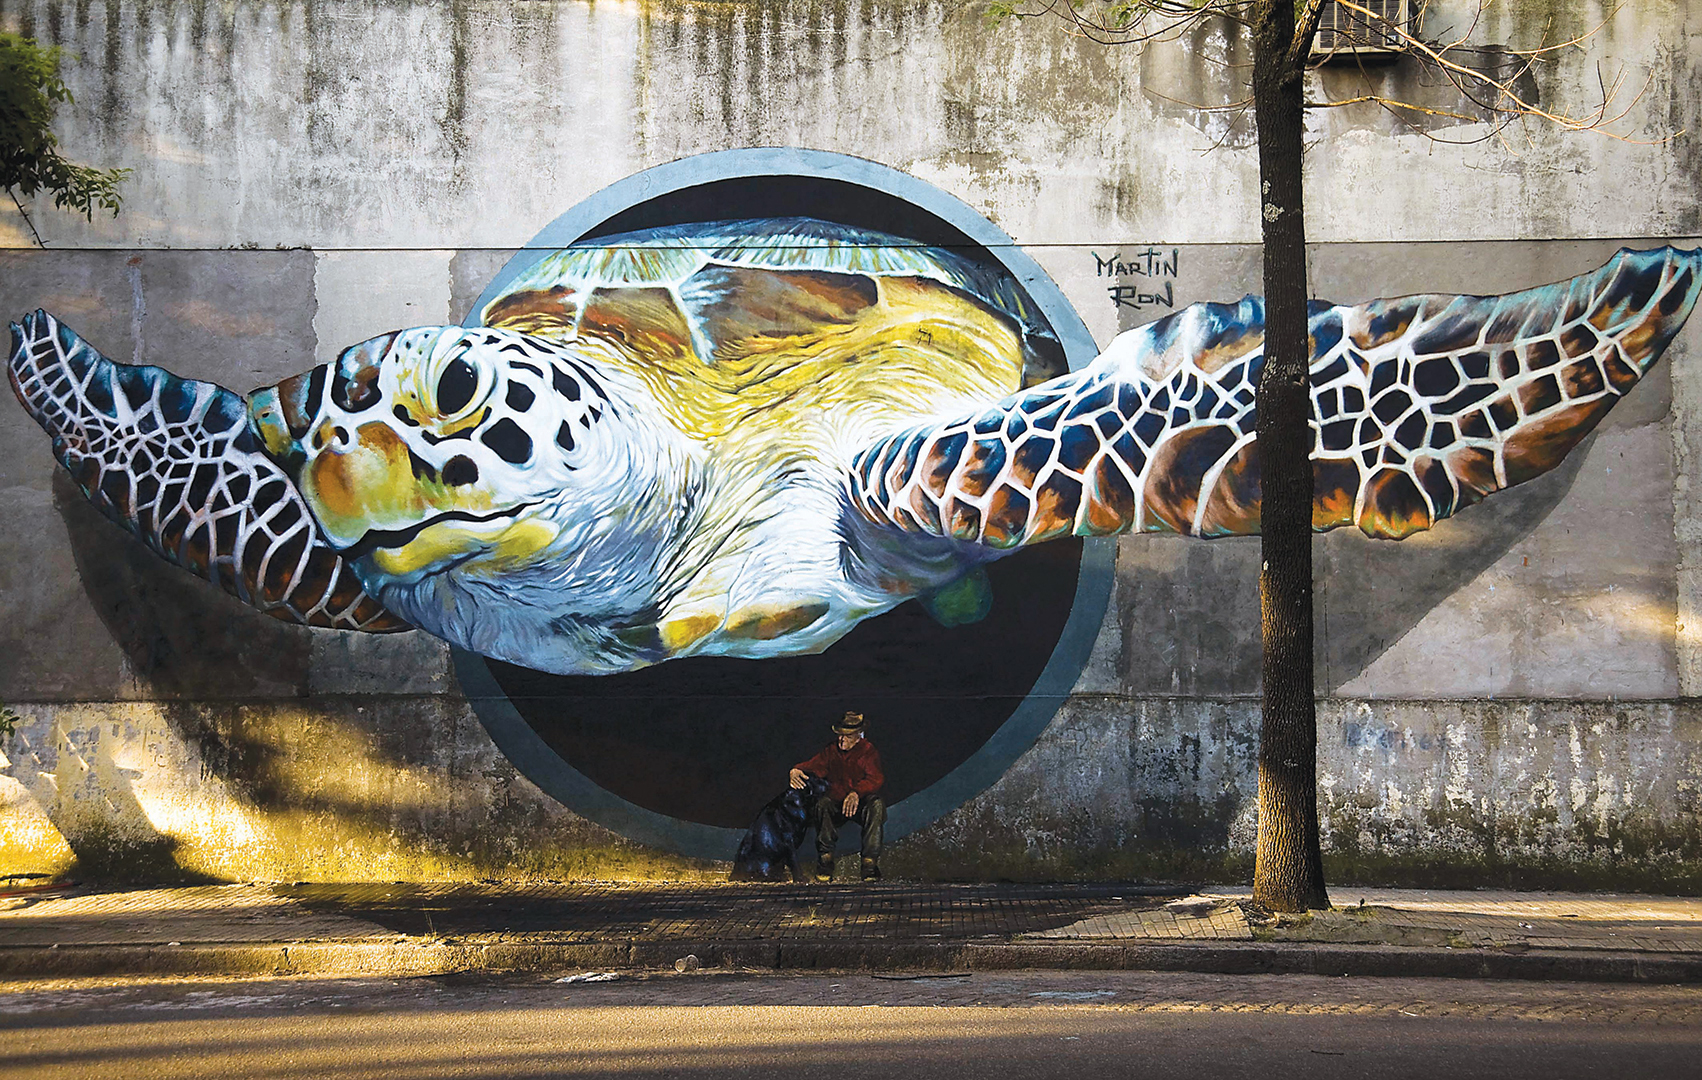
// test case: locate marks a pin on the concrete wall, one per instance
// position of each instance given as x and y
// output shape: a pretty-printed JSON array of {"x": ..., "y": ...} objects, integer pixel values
[{"x": 1510, "y": 697}]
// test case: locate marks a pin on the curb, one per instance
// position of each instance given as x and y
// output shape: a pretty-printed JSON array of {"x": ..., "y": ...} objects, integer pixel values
[{"x": 417, "y": 957}]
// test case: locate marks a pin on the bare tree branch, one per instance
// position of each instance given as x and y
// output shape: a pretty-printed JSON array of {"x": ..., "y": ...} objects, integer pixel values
[
  {"x": 1238, "y": 106},
  {"x": 1305, "y": 31},
  {"x": 1500, "y": 95},
  {"x": 25, "y": 214},
  {"x": 1230, "y": 128}
]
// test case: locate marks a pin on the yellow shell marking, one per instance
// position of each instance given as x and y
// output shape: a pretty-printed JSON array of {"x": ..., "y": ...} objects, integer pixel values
[
  {"x": 765, "y": 623},
  {"x": 682, "y": 631},
  {"x": 920, "y": 343}
]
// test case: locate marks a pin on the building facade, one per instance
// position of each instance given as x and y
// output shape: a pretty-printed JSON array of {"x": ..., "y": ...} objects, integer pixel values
[{"x": 1510, "y": 697}]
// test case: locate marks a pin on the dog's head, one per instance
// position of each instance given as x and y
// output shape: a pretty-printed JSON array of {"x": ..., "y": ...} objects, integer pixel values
[{"x": 814, "y": 788}]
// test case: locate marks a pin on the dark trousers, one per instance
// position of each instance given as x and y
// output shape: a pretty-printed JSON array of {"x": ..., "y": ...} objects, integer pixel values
[{"x": 870, "y": 815}]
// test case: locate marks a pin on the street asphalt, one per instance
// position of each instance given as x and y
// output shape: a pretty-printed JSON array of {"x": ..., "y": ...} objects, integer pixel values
[{"x": 928, "y": 1027}]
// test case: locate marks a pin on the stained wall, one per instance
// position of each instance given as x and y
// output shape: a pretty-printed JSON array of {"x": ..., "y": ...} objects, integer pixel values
[{"x": 1509, "y": 697}]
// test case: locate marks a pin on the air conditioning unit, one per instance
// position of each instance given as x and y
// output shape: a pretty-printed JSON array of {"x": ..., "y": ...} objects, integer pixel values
[{"x": 1346, "y": 33}]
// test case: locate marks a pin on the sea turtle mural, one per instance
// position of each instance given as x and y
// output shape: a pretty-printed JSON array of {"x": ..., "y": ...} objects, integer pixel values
[{"x": 743, "y": 438}]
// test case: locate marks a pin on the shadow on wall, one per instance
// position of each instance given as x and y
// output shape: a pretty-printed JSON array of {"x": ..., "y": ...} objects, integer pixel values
[
  {"x": 90, "y": 799},
  {"x": 1369, "y": 599},
  {"x": 391, "y": 787},
  {"x": 182, "y": 641},
  {"x": 1189, "y": 611},
  {"x": 192, "y": 647}
]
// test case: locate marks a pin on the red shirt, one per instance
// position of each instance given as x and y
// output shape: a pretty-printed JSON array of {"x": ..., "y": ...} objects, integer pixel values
[{"x": 857, "y": 769}]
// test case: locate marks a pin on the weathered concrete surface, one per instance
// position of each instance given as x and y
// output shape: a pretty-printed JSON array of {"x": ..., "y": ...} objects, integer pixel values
[
  {"x": 1457, "y": 794},
  {"x": 393, "y": 124},
  {"x": 363, "y": 294},
  {"x": 336, "y": 788}
]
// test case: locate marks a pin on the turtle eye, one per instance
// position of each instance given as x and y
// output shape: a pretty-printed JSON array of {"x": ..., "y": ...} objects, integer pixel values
[{"x": 456, "y": 386}]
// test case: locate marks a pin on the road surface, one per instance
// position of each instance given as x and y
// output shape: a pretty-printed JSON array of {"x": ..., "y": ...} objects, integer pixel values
[{"x": 712, "y": 1025}]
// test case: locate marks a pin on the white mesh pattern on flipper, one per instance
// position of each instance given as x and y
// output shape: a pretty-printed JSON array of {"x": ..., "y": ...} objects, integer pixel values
[
  {"x": 174, "y": 462},
  {"x": 1422, "y": 405}
]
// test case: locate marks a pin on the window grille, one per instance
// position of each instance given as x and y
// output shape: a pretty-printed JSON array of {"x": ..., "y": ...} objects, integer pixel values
[{"x": 1350, "y": 33}]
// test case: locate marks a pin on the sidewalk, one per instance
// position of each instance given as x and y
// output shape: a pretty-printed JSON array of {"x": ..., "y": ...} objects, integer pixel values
[{"x": 415, "y": 929}]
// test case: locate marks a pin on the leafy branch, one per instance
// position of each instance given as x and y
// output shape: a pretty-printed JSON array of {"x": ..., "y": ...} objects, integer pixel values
[{"x": 31, "y": 90}]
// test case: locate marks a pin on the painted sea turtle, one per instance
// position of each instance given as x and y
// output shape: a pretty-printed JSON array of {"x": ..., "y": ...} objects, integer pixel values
[{"x": 743, "y": 438}]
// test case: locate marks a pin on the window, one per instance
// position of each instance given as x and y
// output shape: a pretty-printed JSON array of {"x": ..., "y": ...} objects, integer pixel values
[{"x": 1346, "y": 33}]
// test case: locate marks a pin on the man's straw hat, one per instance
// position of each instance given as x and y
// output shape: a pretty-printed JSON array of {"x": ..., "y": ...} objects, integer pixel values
[{"x": 849, "y": 724}]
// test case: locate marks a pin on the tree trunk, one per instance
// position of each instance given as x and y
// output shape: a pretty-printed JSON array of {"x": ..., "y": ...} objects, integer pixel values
[{"x": 1289, "y": 873}]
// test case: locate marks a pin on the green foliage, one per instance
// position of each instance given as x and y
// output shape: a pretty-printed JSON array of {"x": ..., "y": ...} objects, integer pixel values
[
  {"x": 9, "y": 722},
  {"x": 1113, "y": 15},
  {"x": 1110, "y": 13},
  {"x": 30, "y": 92},
  {"x": 1126, "y": 22}
]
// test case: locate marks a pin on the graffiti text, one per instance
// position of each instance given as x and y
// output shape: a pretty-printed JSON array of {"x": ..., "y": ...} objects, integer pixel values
[{"x": 1149, "y": 263}]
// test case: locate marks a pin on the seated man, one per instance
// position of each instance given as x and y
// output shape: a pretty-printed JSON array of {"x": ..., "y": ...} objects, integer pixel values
[{"x": 852, "y": 768}]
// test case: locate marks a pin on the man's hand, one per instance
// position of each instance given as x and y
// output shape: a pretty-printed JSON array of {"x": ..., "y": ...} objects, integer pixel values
[
  {"x": 850, "y": 806},
  {"x": 798, "y": 778}
]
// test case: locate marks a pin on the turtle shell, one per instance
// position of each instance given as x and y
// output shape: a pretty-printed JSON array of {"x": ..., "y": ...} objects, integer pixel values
[{"x": 712, "y": 290}]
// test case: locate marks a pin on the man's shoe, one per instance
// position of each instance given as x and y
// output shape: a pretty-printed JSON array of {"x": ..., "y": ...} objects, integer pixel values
[
  {"x": 824, "y": 871},
  {"x": 871, "y": 870}
]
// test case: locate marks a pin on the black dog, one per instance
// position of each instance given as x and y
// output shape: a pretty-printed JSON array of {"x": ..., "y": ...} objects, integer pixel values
[{"x": 771, "y": 847}]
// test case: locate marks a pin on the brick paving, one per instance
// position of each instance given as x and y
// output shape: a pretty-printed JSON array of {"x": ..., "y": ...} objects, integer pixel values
[
  {"x": 567, "y": 913},
  {"x": 1190, "y": 918},
  {"x": 598, "y": 912},
  {"x": 1488, "y": 919},
  {"x": 203, "y": 913},
  {"x": 886, "y": 913}
]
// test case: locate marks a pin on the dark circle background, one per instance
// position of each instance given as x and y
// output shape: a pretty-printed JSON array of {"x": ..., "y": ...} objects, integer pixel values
[
  {"x": 705, "y": 741},
  {"x": 709, "y": 739}
]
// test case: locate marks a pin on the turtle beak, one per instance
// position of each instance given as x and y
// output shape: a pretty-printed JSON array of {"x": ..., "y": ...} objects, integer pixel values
[{"x": 283, "y": 414}]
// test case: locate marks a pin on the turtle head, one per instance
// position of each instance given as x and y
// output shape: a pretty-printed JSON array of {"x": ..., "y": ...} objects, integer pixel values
[{"x": 437, "y": 448}]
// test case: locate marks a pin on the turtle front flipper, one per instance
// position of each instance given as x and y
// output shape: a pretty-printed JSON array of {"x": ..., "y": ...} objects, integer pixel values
[
  {"x": 175, "y": 462},
  {"x": 1420, "y": 406}
]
